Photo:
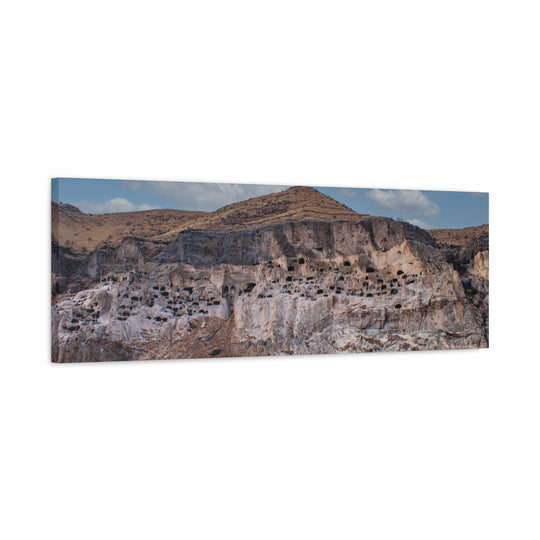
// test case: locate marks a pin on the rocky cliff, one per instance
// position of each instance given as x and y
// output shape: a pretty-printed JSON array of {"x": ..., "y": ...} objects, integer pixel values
[
  {"x": 467, "y": 250},
  {"x": 297, "y": 280}
]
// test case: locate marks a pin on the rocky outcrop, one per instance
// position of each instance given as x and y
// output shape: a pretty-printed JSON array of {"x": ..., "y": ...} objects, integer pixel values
[
  {"x": 299, "y": 286},
  {"x": 312, "y": 239},
  {"x": 467, "y": 250}
]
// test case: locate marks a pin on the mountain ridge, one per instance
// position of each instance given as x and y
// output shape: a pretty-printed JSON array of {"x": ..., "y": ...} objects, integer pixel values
[
  {"x": 298, "y": 203},
  {"x": 80, "y": 230}
]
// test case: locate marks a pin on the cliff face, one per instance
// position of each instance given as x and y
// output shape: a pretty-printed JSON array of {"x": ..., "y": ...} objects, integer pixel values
[
  {"x": 467, "y": 250},
  {"x": 312, "y": 239},
  {"x": 297, "y": 286}
]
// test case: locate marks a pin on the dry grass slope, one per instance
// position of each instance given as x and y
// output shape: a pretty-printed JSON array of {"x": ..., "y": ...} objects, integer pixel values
[
  {"x": 294, "y": 204},
  {"x": 77, "y": 230},
  {"x": 80, "y": 231},
  {"x": 459, "y": 237}
]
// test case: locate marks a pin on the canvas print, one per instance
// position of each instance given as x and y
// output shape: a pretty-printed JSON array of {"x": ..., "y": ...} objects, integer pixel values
[{"x": 145, "y": 270}]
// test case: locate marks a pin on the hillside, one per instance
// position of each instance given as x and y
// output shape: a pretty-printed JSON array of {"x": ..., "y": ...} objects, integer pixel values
[
  {"x": 73, "y": 228},
  {"x": 294, "y": 204},
  {"x": 462, "y": 237},
  {"x": 77, "y": 230}
]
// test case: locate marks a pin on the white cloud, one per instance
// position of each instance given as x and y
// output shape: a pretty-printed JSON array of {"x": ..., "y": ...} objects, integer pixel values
[
  {"x": 111, "y": 206},
  {"x": 203, "y": 196},
  {"x": 419, "y": 223},
  {"x": 412, "y": 202}
]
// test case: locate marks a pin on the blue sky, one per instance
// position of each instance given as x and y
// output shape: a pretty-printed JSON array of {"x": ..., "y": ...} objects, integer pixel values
[{"x": 427, "y": 209}]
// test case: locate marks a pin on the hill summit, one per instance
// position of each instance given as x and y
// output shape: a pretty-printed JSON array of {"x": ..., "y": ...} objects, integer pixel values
[{"x": 297, "y": 203}]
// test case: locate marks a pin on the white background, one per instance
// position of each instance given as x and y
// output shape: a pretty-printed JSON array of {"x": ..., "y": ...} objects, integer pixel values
[{"x": 428, "y": 95}]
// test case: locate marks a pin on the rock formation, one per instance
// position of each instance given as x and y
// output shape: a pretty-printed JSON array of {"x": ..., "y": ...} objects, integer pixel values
[
  {"x": 290, "y": 273},
  {"x": 468, "y": 252}
]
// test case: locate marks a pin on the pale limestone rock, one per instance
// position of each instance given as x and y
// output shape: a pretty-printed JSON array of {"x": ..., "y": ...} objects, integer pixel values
[{"x": 288, "y": 288}]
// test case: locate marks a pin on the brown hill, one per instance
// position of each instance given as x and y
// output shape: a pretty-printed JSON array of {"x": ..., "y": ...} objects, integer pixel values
[
  {"x": 460, "y": 237},
  {"x": 294, "y": 204},
  {"x": 73, "y": 228}
]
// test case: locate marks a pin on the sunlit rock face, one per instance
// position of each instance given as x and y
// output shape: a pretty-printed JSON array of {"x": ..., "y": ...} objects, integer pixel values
[{"x": 293, "y": 287}]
